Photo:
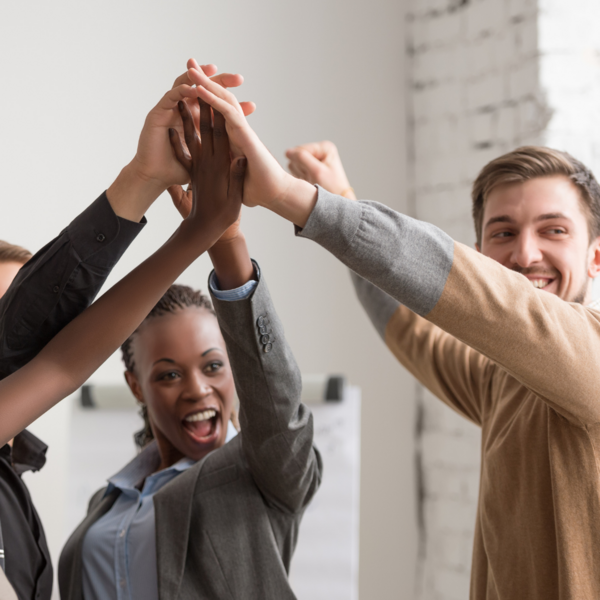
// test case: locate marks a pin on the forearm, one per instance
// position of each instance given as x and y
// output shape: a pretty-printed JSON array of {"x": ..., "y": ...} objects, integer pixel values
[
  {"x": 132, "y": 193},
  {"x": 232, "y": 263},
  {"x": 60, "y": 281},
  {"x": 81, "y": 347},
  {"x": 537, "y": 337}
]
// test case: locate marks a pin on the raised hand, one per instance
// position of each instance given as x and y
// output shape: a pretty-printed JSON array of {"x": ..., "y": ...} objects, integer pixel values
[
  {"x": 319, "y": 162},
  {"x": 267, "y": 184},
  {"x": 217, "y": 182},
  {"x": 154, "y": 168}
]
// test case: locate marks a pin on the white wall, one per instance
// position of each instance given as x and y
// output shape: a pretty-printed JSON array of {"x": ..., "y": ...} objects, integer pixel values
[{"x": 78, "y": 79}]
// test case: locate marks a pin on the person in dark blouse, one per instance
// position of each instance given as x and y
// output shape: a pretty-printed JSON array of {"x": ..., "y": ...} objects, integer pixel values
[{"x": 52, "y": 288}]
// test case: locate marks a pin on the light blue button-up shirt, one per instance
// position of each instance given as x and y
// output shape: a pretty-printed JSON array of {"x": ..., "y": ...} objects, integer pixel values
[{"x": 119, "y": 549}]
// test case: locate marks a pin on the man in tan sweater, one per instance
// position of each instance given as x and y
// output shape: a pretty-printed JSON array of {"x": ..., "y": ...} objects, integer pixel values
[
  {"x": 503, "y": 336},
  {"x": 536, "y": 211}
]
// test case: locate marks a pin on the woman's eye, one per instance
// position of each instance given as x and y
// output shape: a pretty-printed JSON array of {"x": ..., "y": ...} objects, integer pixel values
[
  {"x": 213, "y": 367},
  {"x": 169, "y": 376}
]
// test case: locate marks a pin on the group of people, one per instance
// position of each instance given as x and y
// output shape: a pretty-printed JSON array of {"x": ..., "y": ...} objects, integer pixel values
[{"x": 506, "y": 334}]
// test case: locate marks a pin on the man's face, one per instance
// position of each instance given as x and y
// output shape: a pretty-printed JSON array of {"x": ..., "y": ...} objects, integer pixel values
[
  {"x": 8, "y": 271},
  {"x": 539, "y": 228}
]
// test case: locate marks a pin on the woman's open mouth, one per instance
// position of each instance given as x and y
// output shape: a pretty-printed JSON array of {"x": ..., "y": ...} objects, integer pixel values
[{"x": 203, "y": 426}]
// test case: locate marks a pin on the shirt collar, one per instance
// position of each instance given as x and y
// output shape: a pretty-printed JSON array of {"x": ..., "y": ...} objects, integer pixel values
[
  {"x": 28, "y": 453},
  {"x": 142, "y": 466},
  {"x": 145, "y": 464}
]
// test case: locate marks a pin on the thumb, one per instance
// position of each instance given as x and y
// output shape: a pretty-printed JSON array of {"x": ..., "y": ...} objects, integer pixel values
[
  {"x": 237, "y": 174},
  {"x": 179, "y": 197}
]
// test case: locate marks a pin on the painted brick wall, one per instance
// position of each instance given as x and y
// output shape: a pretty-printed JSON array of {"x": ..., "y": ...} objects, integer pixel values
[
  {"x": 474, "y": 93},
  {"x": 485, "y": 77}
]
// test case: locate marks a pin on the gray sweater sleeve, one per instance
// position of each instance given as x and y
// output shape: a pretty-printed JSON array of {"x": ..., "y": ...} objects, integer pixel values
[
  {"x": 378, "y": 305},
  {"x": 408, "y": 259}
]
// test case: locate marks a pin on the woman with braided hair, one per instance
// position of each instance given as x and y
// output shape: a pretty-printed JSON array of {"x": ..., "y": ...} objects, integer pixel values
[{"x": 195, "y": 515}]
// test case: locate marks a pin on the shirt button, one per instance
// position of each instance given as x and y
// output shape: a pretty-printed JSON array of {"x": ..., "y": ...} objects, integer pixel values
[
  {"x": 268, "y": 347},
  {"x": 122, "y": 533},
  {"x": 260, "y": 321},
  {"x": 265, "y": 339},
  {"x": 122, "y": 583},
  {"x": 55, "y": 289},
  {"x": 100, "y": 237}
]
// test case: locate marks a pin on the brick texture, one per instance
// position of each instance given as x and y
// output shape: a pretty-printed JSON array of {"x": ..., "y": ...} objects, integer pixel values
[{"x": 486, "y": 76}]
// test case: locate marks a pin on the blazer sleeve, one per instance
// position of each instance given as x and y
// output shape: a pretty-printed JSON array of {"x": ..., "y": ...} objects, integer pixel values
[
  {"x": 451, "y": 370},
  {"x": 551, "y": 346},
  {"x": 276, "y": 428},
  {"x": 61, "y": 281}
]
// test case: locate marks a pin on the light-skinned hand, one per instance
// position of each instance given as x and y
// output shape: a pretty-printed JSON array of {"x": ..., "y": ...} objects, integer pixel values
[
  {"x": 154, "y": 167},
  {"x": 319, "y": 162},
  {"x": 267, "y": 183}
]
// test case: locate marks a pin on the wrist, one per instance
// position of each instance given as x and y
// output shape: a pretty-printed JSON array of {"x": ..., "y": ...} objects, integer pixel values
[
  {"x": 132, "y": 192},
  {"x": 297, "y": 202},
  {"x": 232, "y": 263}
]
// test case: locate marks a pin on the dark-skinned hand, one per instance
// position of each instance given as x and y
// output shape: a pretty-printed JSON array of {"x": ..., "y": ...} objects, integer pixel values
[{"x": 217, "y": 182}]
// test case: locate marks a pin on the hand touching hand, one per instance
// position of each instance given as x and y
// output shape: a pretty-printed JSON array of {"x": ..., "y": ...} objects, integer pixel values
[
  {"x": 154, "y": 168},
  {"x": 267, "y": 184},
  {"x": 154, "y": 159},
  {"x": 217, "y": 182},
  {"x": 320, "y": 163}
]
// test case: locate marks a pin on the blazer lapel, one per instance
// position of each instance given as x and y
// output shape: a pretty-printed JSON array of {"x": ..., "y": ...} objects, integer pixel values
[{"x": 172, "y": 515}]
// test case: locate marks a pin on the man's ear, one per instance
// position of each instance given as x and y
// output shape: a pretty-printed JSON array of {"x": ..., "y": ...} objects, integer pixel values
[{"x": 134, "y": 385}]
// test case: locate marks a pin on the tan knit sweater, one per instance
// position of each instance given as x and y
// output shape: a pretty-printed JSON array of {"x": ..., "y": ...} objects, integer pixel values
[
  {"x": 520, "y": 362},
  {"x": 537, "y": 533}
]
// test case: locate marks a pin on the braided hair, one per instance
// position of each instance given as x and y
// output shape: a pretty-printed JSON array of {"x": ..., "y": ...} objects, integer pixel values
[{"x": 176, "y": 298}]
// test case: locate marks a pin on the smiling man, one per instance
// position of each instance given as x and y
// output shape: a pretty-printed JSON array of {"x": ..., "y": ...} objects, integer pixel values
[{"x": 519, "y": 358}]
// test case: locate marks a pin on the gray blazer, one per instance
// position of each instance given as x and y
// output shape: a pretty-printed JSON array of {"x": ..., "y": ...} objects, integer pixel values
[{"x": 227, "y": 527}]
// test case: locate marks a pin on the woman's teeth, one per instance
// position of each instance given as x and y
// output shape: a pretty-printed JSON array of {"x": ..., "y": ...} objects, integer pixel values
[
  {"x": 201, "y": 416},
  {"x": 539, "y": 283}
]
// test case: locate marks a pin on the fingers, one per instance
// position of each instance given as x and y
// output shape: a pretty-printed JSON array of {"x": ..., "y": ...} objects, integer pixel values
[
  {"x": 230, "y": 112},
  {"x": 209, "y": 71},
  {"x": 189, "y": 131},
  {"x": 200, "y": 79},
  {"x": 247, "y": 108},
  {"x": 228, "y": 80},
  {"x": 237, "y": 174},
  {"x": 307, "y": 161},
  {"x": 172, "y": 97},
  {"x": 181, "y": 153},
  {"x": 320, "y": 150},
  {"x": 181, "y": 199},
  {"x": 206, "y": 128},
  {"x": 220, "y": 138}
]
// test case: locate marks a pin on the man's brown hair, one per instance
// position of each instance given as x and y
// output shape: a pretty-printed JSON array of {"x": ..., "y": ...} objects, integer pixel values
[
  {"x": 12, "y": 253},
  {"x": 529, "y": 162}
]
